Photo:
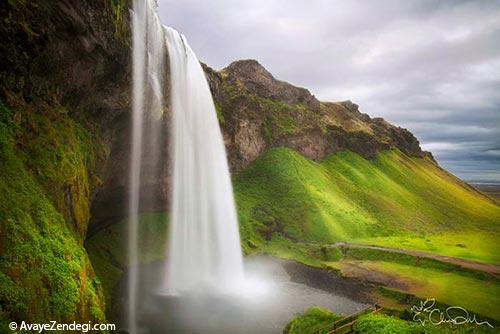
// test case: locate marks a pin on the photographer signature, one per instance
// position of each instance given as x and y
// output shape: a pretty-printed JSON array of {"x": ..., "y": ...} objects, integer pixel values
[{"x": 425, "y": 312}]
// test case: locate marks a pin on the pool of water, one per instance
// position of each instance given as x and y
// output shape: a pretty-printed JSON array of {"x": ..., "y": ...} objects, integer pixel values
[{"x": 277, "y": 291}]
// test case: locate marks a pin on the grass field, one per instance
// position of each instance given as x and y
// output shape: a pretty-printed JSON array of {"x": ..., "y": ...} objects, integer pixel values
[
  {"x": 481, "y": 296},
  {"x": 469, "y": 245},
  {"x": 391, "y": 200}
]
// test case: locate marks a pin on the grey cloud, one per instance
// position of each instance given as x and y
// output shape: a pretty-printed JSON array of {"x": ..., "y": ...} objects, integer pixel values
[{"x": 430, "y": 66}]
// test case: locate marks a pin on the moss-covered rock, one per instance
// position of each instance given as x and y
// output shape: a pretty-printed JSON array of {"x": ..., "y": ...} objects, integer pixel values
[
  {"x": 62, "y": 155},
  {"x": 45, "y": 272}
]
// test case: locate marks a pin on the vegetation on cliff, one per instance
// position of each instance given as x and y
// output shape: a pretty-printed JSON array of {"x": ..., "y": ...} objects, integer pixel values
[
  {"x": 313, "y": 320},
  {"x": 62, "y": 87},
  {"x": 45, "y": 273}
]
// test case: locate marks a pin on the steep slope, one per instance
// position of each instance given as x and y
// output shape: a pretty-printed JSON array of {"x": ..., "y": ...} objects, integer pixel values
[
  {"x": 44, "y": 209},
  {"x": 283, "y": 195},
  {"x": 63, "y": 92}
]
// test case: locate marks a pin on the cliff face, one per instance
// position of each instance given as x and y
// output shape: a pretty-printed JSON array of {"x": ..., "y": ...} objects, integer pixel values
[
  {"x": 258, "y": 112},
  {"x": 74, "y": 55},
  {"x": 63, "y": 101}
]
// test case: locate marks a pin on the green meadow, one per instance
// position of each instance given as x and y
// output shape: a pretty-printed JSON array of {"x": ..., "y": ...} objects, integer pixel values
[
  {"x": 452, "y": 288},
  {"x": 392, "y": 200}
]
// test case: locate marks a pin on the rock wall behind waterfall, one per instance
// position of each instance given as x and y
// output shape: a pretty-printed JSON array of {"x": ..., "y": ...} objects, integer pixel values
[{"x": 73, "y": 54}]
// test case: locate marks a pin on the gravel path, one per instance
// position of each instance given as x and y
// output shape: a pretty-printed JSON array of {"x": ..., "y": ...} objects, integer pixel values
[{"x": 471, "y": 264}]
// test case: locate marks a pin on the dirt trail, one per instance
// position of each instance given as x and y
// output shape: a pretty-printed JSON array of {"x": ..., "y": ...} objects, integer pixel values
[{"x": 471, "y": 264}]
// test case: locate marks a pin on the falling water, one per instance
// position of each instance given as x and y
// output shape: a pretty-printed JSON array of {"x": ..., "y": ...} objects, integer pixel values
[
  {"x": 204, "y": 245},
  {"x": 148, "y": 70},
  {"x": 204, "y": 252}
]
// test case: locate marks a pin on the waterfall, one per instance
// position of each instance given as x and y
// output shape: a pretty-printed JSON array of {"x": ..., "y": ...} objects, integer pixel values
[
  {"x": 148, "y": 53},
  {"x": 204, "y": 244}
]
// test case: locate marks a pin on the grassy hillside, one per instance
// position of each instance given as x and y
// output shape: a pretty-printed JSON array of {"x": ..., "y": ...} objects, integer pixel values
[
  {"x": 283, "y": 196},
  {"x": 452, "y": 288}
]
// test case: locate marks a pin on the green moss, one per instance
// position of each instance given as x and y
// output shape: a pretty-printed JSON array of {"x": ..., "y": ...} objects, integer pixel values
[
  {"x": 473, "y": 244},
  {"x": 376, "y": 323},
  {"x": 366, "y": 254},
  {"x": 279, "y": 120},
  {"x": 448, "y": 287},
  {"x": 60, "y": 154},
  {"x": 329, "y": 254},
  {"x": 118, "y": 8},
  {"x": 313, "y": 320},
  {"x": 220, "y": 115},
  {"x": 44, "y": 270},
  {"x": 318, "y": 320}
]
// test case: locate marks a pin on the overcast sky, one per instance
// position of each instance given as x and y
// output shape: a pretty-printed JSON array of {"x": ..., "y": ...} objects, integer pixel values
[{"x": 430, "y": 66}]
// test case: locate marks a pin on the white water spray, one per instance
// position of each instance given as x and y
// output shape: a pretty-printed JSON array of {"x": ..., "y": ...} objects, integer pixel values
[
  {"x": 147, "y": 103},
  {"x": 204, "y": 245}
]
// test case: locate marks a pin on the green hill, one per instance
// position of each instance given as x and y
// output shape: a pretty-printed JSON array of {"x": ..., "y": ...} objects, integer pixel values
[{"x": 410, "y": 202}]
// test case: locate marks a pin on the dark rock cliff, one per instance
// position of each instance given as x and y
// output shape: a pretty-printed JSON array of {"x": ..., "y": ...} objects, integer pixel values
[
  {"x": 258, "y": 112},
  {"x": 64, "y": 94},
  {"x": 75, "y": 55}
]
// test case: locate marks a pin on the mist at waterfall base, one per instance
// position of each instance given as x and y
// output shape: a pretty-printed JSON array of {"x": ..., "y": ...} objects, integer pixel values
[{"x": 203, "y": 286}]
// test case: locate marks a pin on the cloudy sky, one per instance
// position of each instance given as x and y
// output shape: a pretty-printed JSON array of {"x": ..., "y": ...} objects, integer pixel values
[{"x": 430, "y": 66}]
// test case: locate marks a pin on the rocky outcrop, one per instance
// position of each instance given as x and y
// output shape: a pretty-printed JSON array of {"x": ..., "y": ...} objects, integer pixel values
[
  {"x": 260, "y": 112},
  {"x": 255, "y": 78}
]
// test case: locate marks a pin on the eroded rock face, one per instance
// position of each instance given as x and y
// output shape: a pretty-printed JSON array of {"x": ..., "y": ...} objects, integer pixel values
[
  {"x": 260, "y": 112},
  {"x": 312, "y": 144},
  {"x": 248, "y": 141}
]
